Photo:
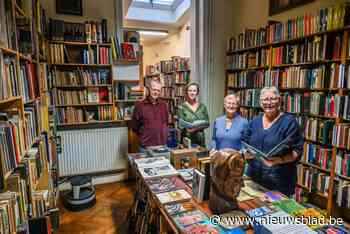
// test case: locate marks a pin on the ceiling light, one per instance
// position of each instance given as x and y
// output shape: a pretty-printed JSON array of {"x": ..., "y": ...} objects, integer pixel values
[{"x": 153, "y": 33}]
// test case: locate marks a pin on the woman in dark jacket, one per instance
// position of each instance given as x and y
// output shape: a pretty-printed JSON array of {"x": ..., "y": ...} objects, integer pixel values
[{"x": 265, "y": 132}]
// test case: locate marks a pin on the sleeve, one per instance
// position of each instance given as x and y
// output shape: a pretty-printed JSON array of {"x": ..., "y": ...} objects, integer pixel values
[
  {"x": 206, "y": 116},
  {"x": 247, "y": 132},
  {"x": 213, "y": 139},
  {"x": 293, "y": 130},
  {"x": 245, "y": 125},
  {"x": 136, "y": 121},
  {"x": 181, "y": 114}
]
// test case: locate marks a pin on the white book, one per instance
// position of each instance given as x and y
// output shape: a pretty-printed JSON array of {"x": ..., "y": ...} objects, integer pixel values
[
  {"x": 198, "y": 185},
  {"x": 173, "y": 196},
  {"x": 151, "y": 161},
  {"x": 157, "y": 171}
]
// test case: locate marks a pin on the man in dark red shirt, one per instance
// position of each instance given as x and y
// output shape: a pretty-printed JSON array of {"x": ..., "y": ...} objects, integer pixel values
[{"x": 150, "y": 118}]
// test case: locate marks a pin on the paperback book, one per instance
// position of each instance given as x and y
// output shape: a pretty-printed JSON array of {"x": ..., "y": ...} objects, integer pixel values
[
  {"x": 157, "y": 171},
  {"x": 198, "y": 185},
  {"x": 151, "y": 162},
  {"x": 185, "y": 219},
  {"x": 173, "y": 196},
  {"x": 175, "y": 208},
  {"x": 165, "y": 184}
]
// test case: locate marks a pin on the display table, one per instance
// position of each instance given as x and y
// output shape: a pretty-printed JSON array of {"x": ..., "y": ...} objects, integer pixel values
[{"x": 151, "y": 215}]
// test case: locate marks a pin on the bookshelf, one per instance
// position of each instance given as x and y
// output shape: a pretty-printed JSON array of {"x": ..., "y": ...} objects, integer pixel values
[
  {"x": 28, "y": 161},
  {"x": 307, "y": 58},
  {"x": 174, "y": 74}
]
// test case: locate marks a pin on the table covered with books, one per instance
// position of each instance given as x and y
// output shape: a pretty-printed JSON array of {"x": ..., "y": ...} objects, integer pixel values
[{"x": 169, "y": 200}]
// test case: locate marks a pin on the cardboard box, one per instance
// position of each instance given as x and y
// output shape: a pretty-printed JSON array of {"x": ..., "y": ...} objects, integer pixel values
[{"x": 184, "y": 158}]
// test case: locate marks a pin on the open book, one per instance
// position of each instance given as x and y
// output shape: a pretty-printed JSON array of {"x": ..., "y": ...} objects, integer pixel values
[
  {"x": 280, "y": 149},
  {"x": 194, "y": 124}
]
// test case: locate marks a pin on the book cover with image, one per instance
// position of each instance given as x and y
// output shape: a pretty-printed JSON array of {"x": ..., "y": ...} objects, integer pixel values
[
  {"x": 203, "y": 227},
  {"x": 151, "y": 161},
  {"x": 185, "y": 219},
  {"x": 175, "y": 208},
  {"x": 157, "y": 171},
  {"x": 173, "y": 196},
  {"x": 165, "y": 184}
]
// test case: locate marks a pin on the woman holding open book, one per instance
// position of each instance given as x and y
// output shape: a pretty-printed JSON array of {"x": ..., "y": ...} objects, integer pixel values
[
  {"x": 276, "y": 137},
  {"x": 228, "y": 129},
  {"x": 193, "y": 116}
]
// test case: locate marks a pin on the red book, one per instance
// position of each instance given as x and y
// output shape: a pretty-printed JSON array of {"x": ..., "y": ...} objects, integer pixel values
[
  {"x": 128, "y": 51},
  {"x": 103, "y": 95}
]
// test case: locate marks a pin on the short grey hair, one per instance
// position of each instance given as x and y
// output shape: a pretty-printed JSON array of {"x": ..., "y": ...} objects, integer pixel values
[
  {"x": 155, "y": 81},
  {"x": 231, "y": 96},
  {"x": 272, "y": 89}
]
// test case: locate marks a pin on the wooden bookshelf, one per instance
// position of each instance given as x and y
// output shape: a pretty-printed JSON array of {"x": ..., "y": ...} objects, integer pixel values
[
  {"x": 78, "y": 43},
  {"x": 268, "y": 50},
  {"x": 121, "y": 61},
  {"x": 86, "y": 104},
  {"x": 82, "y": 86},
  {"x": 81, "y": 65}
]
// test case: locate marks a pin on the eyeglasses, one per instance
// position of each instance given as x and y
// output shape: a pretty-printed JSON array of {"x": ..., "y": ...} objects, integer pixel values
[{"x": 271, "y": 99}]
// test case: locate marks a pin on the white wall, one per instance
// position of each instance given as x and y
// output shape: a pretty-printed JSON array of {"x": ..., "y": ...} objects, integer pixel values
[{"x": 177, "y": 44}]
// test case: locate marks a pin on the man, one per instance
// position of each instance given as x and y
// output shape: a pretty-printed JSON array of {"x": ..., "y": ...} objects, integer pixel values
[{"x": 150, "y": 118}]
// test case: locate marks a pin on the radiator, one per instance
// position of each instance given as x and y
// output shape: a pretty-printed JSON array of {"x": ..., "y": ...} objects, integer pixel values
[{"x": 92, "y": 150}]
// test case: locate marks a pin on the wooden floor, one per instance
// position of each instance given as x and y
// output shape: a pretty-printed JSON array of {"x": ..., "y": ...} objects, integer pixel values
[{"x": 108, "y": 216}]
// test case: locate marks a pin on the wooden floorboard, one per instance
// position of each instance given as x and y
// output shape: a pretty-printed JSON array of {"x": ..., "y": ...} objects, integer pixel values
[{"x": 108, "y": 216}]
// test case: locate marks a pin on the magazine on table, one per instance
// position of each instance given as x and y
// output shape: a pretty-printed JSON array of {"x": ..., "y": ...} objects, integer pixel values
[{"x": 281, "y": 148}]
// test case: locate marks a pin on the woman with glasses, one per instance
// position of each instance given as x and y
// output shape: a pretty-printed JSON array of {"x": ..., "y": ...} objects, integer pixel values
[
  {"x": 277, "y": 171},
  {"x": 228, "y": 129},
  {"x": 193, "y": 116}
]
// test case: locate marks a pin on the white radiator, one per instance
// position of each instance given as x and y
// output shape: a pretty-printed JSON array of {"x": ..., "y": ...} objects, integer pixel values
[{"x": 93, "y": 150}]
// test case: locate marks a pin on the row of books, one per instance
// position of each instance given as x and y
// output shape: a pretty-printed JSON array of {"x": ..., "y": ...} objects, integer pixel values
[
  {"x": 12, "y": 84},
  {"x": 7, "y": 26},
  {"x": 125, "y": 112},
  {"x": 180, "y": 91},
  {"x": 313, "y": 179},
  {"x": 320, "y": 77},
  {"x": 317, "y": 155},
  {"x": 167, "y": 92},
  {"x": 101, "y": 55},
  {"x": 124, "y": 50},
  {"x": 90, "y": 31},
  {"x": 326, "y": 19},
  {"x": 128, "y": 92},
  {"x": 181, "y": 63},
  {"x": 80, "y": 115},
  {"x": 316, "y": 103},
  {"x": 341, "y": 135},
  {"x": 79, "y": 77},
  {"x": 342, "y": 163},
  {"x": 90, "y": 95},
  {"x": 182, "y": 77},
  {"x": 319, "y": 130},
  {"x": 260, "y": 58},
  {"x": 296, "y": 27},
  {"x": 342, "y": 188},
  {"x": 249, "y": 97},
  {"x": 248, "y": 113},
  {"x": 152, "y": 69}
]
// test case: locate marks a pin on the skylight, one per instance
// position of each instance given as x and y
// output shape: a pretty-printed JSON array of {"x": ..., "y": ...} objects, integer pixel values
[{"x": 160, "y": 2}]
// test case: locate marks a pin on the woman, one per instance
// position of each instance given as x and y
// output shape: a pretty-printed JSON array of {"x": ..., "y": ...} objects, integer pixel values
[
  {"x": 228, "y": 129},
  {"x": 264, "y": 132},
  {"x": 193, "y": 116}
]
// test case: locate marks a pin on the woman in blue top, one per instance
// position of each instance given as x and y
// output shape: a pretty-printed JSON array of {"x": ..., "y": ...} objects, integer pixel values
[
  {"x": 228, "y": 129},
  {"x": 266, "y": 131}
]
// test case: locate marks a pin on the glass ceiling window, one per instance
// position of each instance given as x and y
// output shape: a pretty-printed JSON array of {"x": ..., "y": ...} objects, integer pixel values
[{"x": 160, "y": 2}]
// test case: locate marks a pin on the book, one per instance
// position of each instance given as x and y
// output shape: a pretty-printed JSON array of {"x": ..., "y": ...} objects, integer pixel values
[
  {"x": 202, "y": 227},
  {"x": 165, "y": 184},
  {"x": 173, "y": 196},
  {"x": 157, "y": 171},
  {"x": 187, "y": 175},
  {"x": 185, "y": 219},
  {"x": 280, "y": 149},
  {"x": 198, "y": 185},
  {"x": 176, "y": 208},
  {"x": 151, "y": 162}
]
